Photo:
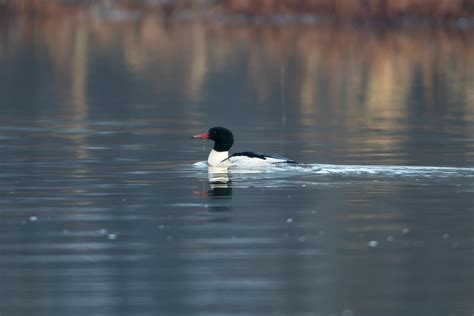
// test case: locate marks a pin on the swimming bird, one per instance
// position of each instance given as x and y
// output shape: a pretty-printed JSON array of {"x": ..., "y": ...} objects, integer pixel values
[{"x": 223, "y": 141}]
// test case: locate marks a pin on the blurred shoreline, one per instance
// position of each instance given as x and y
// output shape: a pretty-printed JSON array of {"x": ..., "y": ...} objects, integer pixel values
[
  {"x": 380, "y": 13},
  {"x": 361, "y": 77}
]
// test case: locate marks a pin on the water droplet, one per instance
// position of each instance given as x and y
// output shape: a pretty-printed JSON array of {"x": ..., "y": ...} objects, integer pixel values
[
  {"x": 405, "y": 230},
  {"x": 112, "y": 236},
  {"x": 289, "y": 196},
  {"x": 313, "y": 212},
  {"x": 161, "y": 227},
  {"x": 446, "y": 236},
  {"x": 103, "y": 231},
  {"x": 289, "y": 220},
  {"x": 33, "y": 218},
  {"x": 302, "y": 239},
  {"x": 123, "y": 200},
  {"x": 373, "y": 243},
  {"x": 390, "y": 238},
  {"x": 169, "y": 238}
]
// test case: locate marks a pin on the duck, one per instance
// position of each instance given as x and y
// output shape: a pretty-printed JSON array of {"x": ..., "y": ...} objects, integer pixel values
[{"x": 220, "y": 156}]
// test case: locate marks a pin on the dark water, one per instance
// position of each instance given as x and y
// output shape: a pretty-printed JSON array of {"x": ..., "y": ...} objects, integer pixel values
[{"x": 103, "y": 211}]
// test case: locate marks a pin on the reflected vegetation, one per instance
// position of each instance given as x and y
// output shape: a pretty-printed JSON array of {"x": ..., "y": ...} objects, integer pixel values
[{"x": 355, "y": 68}]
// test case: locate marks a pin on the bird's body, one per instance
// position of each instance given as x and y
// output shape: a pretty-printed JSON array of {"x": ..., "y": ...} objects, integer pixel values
[{"x": 220, "y": 157}]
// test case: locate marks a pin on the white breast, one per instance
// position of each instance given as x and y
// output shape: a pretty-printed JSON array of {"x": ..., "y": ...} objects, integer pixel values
[{"x": 216, "y": 158}]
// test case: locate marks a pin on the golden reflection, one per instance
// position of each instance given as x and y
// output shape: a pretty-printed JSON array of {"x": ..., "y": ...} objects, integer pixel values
[
  {"x": 79, "y": 71},
  {"x": 67, "y": 42},
  {"x": 364, "y": 75},
  {"x": 198, "y": 63}
]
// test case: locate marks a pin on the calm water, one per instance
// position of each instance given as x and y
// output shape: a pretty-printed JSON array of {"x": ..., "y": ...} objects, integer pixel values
[{"x": 103, "y": 210}]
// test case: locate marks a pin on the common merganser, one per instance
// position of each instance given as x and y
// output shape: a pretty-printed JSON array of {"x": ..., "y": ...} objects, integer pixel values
[{"x": 223, "y": 141}]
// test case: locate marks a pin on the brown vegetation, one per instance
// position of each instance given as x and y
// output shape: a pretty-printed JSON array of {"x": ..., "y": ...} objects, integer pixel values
[
  {"x": 387, "y": 11},
  {"x": 359, "y": 9}
]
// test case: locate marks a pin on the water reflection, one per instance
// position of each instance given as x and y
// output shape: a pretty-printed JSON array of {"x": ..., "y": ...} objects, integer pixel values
[
  {"x": 383, "y": 82},
  {"x": 355, "y": 69},
  {"x": 97, "y": 209},
  {"x": 218, "y": 175},
  {"x": 219, "y": 182},
  {"x": 218, "y": 192}
]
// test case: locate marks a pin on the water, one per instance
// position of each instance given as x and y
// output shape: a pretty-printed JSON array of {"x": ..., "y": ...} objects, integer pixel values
[{"x": 107, "y": 208}]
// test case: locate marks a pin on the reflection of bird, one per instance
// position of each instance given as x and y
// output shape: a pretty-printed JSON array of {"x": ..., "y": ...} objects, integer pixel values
[
  {"x": 218, "y": 175},
  {"x": 223, "y": 141},
  {"x": 219, "y": 182}
]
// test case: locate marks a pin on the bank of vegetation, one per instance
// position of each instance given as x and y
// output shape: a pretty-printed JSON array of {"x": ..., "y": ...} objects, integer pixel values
[{"x": 352, "y": 11}]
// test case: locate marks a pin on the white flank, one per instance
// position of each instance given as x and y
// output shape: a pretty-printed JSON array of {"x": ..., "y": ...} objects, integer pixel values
[{"x": 244, "y": 161}]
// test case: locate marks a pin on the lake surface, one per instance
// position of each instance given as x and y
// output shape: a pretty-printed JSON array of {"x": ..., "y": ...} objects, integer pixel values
[{"x": 107, "y": 209}]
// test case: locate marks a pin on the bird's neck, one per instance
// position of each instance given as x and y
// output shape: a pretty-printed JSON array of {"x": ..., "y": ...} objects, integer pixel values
[{"x": 216, "y": 158}]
